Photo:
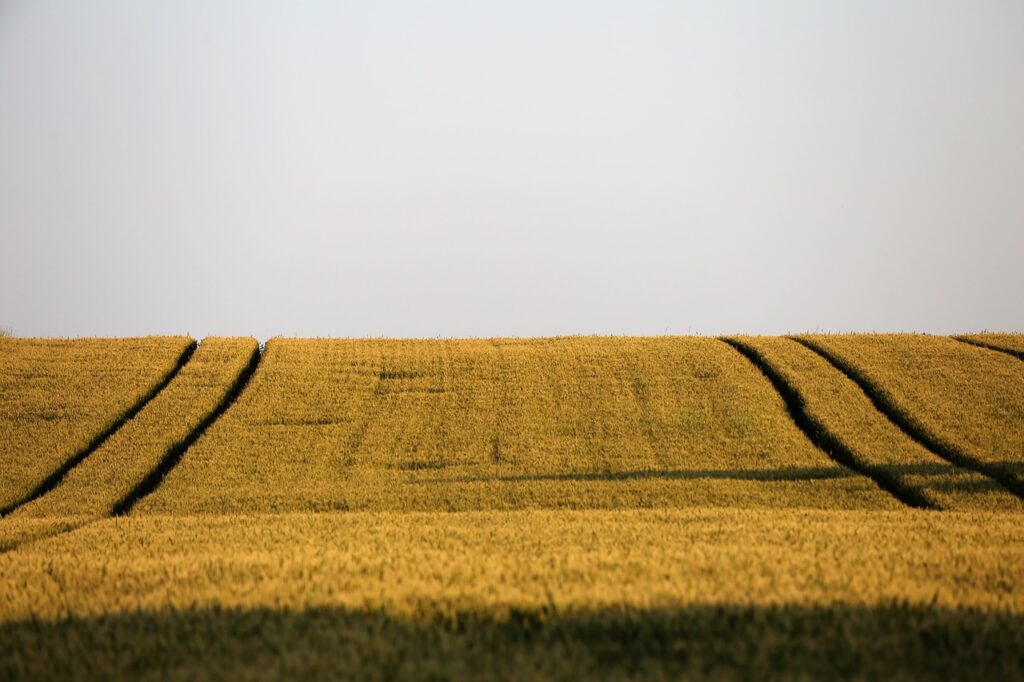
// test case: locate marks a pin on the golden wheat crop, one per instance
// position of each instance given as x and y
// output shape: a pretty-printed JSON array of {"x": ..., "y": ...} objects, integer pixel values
[
  {"x": 109, "y": 474},
  {"x": 15, "y": 532},
  {"x": 968, "y": 400},
  {"x": 842, "y": 408},
  {"x": 163, "y": 592},
  {"x": 518, "y": 509},
  {"x": 498, "y": 560},
  {"x": 56, "y": 396},
  {"x": 505, "y": 423}
]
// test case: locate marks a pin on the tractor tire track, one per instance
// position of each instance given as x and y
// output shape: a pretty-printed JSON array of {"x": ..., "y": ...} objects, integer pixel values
[
  {"x": 54, "y": 479},
  {"x": 988, "y": 346},
  {"x": 176, "y": 451},
  {"x": 886, "y": 406},
  {"x": 824, "y": 439},
  {"x": 12, "y": 547}
]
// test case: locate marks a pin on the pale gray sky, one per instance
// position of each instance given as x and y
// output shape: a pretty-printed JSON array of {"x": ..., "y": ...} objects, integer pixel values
[{"x": 521, "y": 168}]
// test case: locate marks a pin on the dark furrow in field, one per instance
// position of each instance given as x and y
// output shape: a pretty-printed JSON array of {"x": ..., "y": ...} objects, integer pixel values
[
  {"x": 177, "y": 450},
  {"x": 988, "y": 346},
  {"x": 827, "y": 441},
  {"x": 909, "y": 426},
  {"x": 51, "y": 481}
]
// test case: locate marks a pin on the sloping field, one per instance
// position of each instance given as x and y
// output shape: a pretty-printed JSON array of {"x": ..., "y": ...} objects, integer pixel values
[
  {"x": 965, "y": 402},
  {"x": 529, "y": 594},
  {"x": 841, "y": 409},
  {"x": 492, "y": 424},
  {"x": 110, "y": 475},
  {"x": 566, "y": 508},
  {"x": 60, "y": 398},
  {"x": 1007, "y": 343}
]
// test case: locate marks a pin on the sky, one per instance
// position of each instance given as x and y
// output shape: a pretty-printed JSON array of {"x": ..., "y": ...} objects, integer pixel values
[{"x": 418, "y": 169}]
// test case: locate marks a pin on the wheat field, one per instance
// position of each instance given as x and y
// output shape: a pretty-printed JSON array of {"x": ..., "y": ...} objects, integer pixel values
[
  {"x": 458, "y": 425},
  {"x": 58, "y": 396},
  {"x": 108, "y": 475},
  {"x": 966, "y": 402},
  {"x": 811, "y": 507},
  {"x": 841, "y": 408}
]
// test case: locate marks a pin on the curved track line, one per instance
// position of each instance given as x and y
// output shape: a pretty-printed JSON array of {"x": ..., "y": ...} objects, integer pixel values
[
  {"x": 988, "y": 346},
  {"x": 177, "y": 450},
  {"x": 824, "y": 439},
  {"x": 51, "y": 481},
  {"x": 950, "y": 453},
  {"x": 57, "y": 533}
]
